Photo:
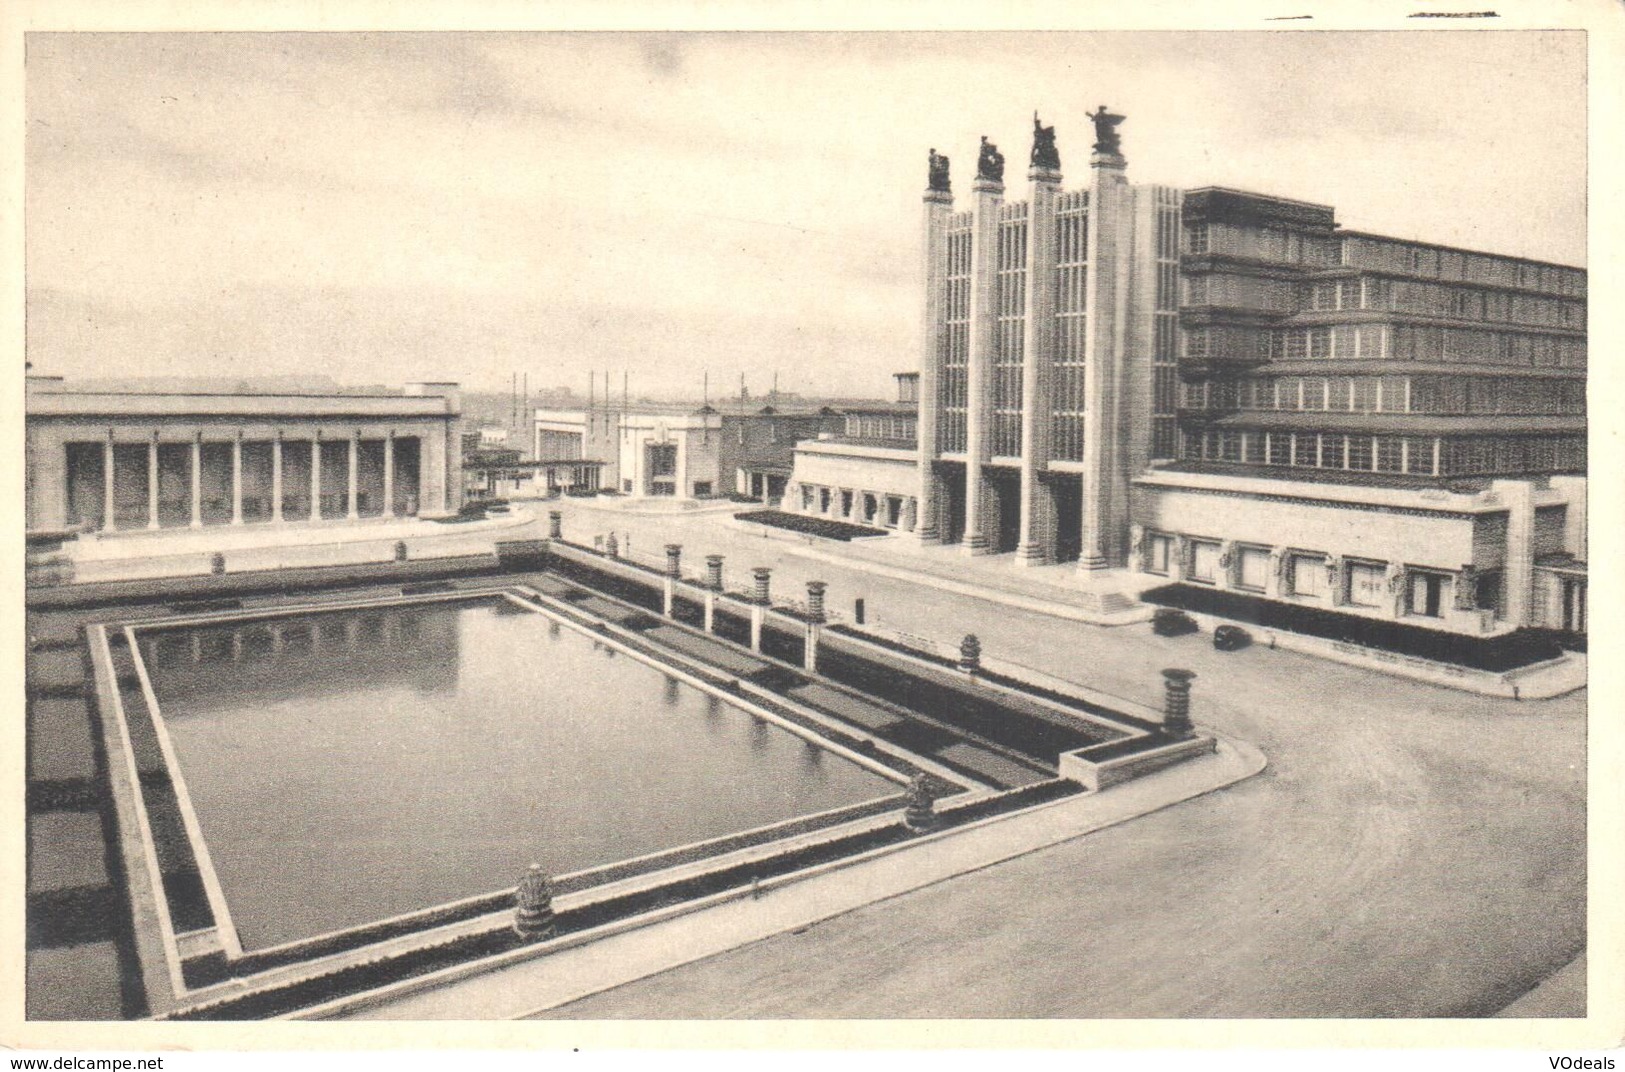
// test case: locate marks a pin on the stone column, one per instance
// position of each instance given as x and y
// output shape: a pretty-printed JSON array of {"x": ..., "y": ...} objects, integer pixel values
[
  {"x": 1036, "y": 543},
  {"x": 353, "y": 489},
  {"x": 761, "y": 598},
  {"x": 1110, "y": 240},
  {"x": 987, "y": 196},
  {"x": 152, "y": 482},
  {"x": 109, "y": 520},
  {"x": 276, "y": 478},
  {"x": 316, "y": 477},
  {"x": 939, "y": 203},
  {"x": 815, "y": 626},
  {"x": 197, "y": 481},
  {"x": 389, "y": 474},
  {"x": 1519, "y": 576},
  {"x": 713, "y": 585},
  {"x": 674, "y": 570},
  {"x": 237, "y": 479},
  {"x": 1176, "y": 702}
]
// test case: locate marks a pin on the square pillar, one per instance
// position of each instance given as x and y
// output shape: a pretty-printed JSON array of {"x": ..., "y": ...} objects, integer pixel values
[
  {"x": 1111, "y": 224},
  {"x": 1035, "y": 545},
  {"x": 987, "y": 195},
  {"x": 276, "y": 478},
  {"x": 197, "y": 481},
  {"x": 389, "y": 474},
  {"x": 152, "y": 482},
  {"x": 109, "y": 522},
  {"x": 352, "y": 489},
  {"x": 316, "y": 478},
  {"x": 237, "y": 480},
  {"x": 939, "y": 204}
]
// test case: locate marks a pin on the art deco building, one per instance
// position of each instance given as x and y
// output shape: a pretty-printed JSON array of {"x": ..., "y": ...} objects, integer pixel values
[
  {"x": 1229, "y": 390},
  {"x": 1048, "y": 365},
  {"x": 1385, "y": 427}
]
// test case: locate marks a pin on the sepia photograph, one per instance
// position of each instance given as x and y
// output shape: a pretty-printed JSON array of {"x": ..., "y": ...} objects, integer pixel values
[{"x": 817, "y": 526}]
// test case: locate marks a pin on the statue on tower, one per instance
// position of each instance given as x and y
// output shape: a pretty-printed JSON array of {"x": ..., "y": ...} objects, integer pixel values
[
  {"x": 1107, "y": 140},
  {"x": 939, "y": 173},
  {"x": 1045, "y": 155},
  {"x": 990, "y": 164}
]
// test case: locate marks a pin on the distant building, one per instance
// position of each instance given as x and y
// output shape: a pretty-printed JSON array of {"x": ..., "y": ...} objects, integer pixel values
[
  {"x": 684, "y": 452},
  {"x": 120, "y": 461},
  {"x": 665, "y": 451},
  {"x": 868, "y": 472},
  {"x": 758, "y": 448}
]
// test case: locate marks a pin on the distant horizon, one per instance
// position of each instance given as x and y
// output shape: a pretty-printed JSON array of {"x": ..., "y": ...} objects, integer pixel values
[{"x": 465, "y": 206}]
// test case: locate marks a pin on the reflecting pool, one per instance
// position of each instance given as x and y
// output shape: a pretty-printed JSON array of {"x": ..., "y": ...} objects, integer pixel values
[{"x": 348, "y": 766}]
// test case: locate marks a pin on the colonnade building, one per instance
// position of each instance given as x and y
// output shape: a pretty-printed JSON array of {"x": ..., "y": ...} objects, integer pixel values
[
  {"x": 117, "y": 461},
  {"x": 1229, "y": 390}
]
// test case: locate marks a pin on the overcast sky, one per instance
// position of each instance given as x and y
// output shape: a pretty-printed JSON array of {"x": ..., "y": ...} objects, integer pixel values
[{"x": 462, "y": 206}]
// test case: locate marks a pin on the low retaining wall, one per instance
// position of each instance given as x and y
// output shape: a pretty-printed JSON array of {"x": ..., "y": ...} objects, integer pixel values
[{"x": 1096, "y": 775}]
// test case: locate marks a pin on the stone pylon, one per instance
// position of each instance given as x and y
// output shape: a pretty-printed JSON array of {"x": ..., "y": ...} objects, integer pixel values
[
  {"x": 533, "y": 918},
  {"x": 920, "y": 816}
]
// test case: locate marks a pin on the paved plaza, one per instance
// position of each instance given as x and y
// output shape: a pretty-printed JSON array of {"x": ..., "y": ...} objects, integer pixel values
[{"x": 1411, "y": 850}]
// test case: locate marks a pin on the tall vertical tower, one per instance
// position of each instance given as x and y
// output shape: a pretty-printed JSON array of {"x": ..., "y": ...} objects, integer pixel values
[
  {"x": 1036, "y": 542},
  {"x": 939, "y": 205},
  {"x": 1048, "y": 355}
]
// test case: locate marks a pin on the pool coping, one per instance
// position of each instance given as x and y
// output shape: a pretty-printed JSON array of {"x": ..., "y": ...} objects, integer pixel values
[{"x": 505, "y": 986}]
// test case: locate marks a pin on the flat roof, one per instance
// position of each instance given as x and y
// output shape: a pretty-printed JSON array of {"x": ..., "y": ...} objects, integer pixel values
[{"x": 143, "y": 405}]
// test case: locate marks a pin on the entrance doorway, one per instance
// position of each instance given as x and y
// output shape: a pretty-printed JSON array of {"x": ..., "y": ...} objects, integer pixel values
[
  {"x": 1067, "y": 491},
  {"x": 1574, "y": 605},
  {"x": 1427, "y": 594},
  {"x": 1006, "y": 487},
  {"x": 952, "y": 490}
]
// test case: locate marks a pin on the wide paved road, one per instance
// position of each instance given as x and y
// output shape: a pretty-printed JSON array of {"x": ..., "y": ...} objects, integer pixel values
[{"x": 1411, "y": 851}]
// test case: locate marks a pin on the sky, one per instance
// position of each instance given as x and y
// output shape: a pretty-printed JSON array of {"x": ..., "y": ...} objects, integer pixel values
[{"x": 388, "y": 207}]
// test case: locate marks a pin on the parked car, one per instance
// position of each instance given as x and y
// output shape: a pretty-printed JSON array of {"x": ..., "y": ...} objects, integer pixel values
[{"x": 1231, "y": 638}]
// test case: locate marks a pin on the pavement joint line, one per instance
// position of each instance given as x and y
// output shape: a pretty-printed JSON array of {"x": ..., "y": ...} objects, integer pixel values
[{"x": 540, "y": 983}]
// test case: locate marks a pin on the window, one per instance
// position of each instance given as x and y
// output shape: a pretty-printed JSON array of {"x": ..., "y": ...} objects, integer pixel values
[
  {"x": 1390, "y": 455},
  {"x": 806, "y": 497},
  {"x": 1365, "y": 394},
  {"x": 702, "y": 488},
  {"x": 1427, "y": 594},
  {"x": 1252, "y": 447},
  {"x": 1204, "y": 561},
  {"x": 1308, "y": 576},
  {"x": 1367, "y": 584},
  {"x": 1280, "y": 448},
  {"x": 1359, "y": 453},
  {"x": 1197, "y": 238},
  {"x": 1332, "y": 455},
  {"x": 1305, "y": 450},
  {"x": 1252, "y": 567},
  {"x": 1158, "y": 549}
]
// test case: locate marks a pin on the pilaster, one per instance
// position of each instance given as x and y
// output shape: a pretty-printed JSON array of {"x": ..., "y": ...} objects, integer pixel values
[
  {"x": 986, "y": 198},
  {"x": 938, "y": 207},
  {"x": 1110, "y": 235},
  {"x": 1035, "y": 546}
]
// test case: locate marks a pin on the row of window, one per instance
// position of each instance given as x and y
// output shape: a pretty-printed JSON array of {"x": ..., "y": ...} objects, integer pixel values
[
  {"x": 865, "y": 426},
  {"x": 1378, "y": 342},
  {"x": 1315, "y": 575},
  {"x": 862, "y": 507},
  {"x": 1412, "y": 455},
  {"x": 1362, "y": 251},
  {"x": 1359, "y": 251},
  {"x": 1389, "y": 394},
  {"x": 1261, "y": 243}
]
